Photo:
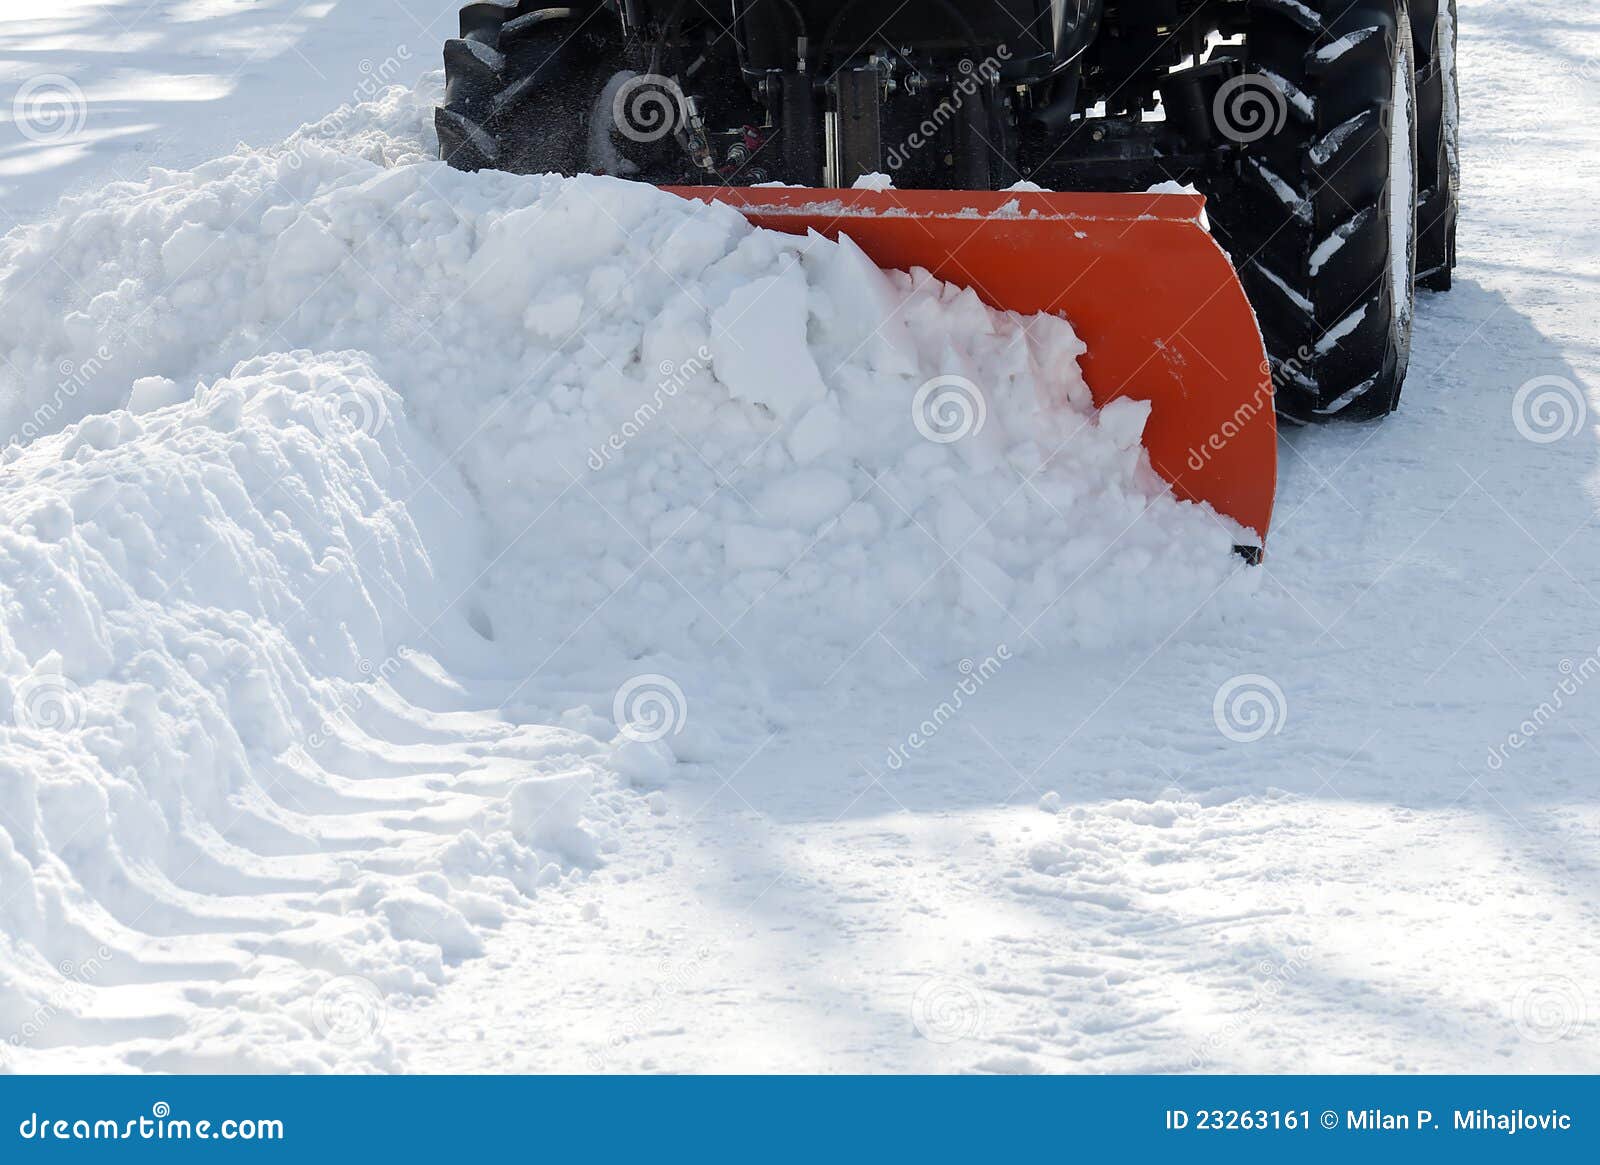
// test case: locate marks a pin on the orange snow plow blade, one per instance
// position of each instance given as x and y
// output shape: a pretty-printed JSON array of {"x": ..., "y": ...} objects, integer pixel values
[{"x": 1140, "y": 280}]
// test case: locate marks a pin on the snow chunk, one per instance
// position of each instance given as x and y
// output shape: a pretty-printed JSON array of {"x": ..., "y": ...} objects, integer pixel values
[
  {"x": 153, "y": 392},
  {"x": 818, "y": 433},
  {"x": 758, "y": 345},
  {"x": 305, "y": 248},
  {"x": 804, "y": 499},
  {"x": 758, "y": 548}
]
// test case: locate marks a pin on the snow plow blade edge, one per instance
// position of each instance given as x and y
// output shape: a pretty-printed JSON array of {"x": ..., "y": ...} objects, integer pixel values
[{"x": 1141, "y": 281}]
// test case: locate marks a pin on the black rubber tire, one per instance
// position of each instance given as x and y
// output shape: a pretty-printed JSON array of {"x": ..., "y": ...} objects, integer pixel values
[
  {"x": 1433, "y": 25},
  {"x": 1308, "y": 223},
  {"x": 519, "y": 86}
]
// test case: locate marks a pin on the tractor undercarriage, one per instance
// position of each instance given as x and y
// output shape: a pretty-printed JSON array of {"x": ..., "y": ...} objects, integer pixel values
[
  {"x": 1322, "y": 134},
  {"x": 1070, "y": 96}
]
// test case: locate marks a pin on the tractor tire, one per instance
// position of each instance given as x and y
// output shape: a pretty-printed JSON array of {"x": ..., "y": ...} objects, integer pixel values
[
  {"x": 1433, "y": 27},
  {"x": 1321, "y": 224},
  {"x": 519, "y": 86}
]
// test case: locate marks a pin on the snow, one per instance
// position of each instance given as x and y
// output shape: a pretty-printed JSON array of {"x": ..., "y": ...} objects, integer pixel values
[
  {"x": 1172, "y": 187},
  {"x": 176, "y": 82},
  {"x": 417, "y": 657},
  {"x": 1307, "y": 15},
  {"x": 1340, "y": 330},
  {"x": 1296, "y": 97},
  {"x": 223, "y": 753},
  {"x": 1298, "y": 206},
  {"x": 1297, "y": 298},
  {"x": 758, "y": 345},
  {"x": 411, "y": 465},
  {"x": 1335, "y": 239},
  {"x": 1335, "y": 49},
  {"x": 1328, "y": 146}
]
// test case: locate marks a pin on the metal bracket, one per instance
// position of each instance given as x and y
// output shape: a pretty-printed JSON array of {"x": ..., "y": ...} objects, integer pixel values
[{"x": 855, "y": 137}]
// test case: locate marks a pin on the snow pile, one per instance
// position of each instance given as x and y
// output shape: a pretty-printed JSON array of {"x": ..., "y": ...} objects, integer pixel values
[
  {"x": 462, "y": 451},
  {"x": 686, "y": 431},
  {"x": 752, "y": 438},
  {"x": 228, "y": 747}
]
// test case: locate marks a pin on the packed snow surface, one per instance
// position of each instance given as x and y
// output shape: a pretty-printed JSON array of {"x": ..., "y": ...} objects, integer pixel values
[{"x": 469, "y": 622}]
